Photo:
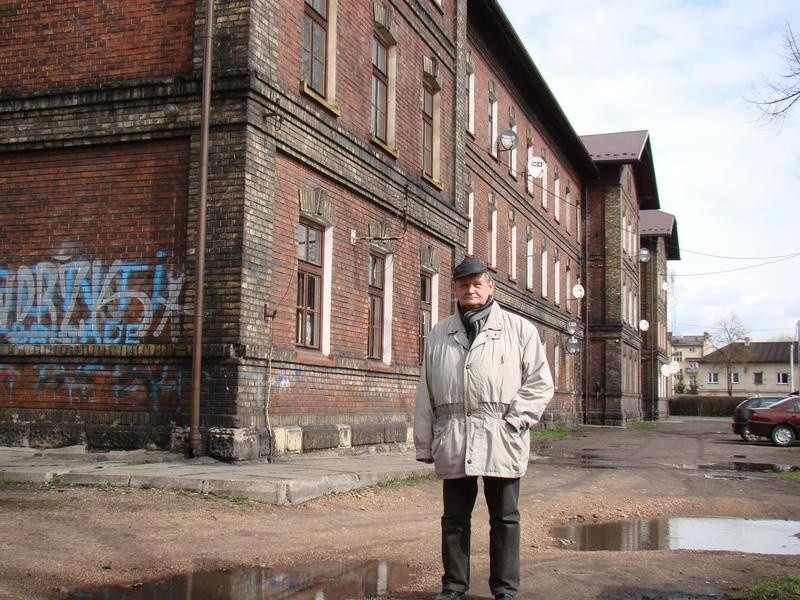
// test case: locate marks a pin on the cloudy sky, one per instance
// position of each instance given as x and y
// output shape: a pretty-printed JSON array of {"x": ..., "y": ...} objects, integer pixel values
[{"x": 687, "y": 71}]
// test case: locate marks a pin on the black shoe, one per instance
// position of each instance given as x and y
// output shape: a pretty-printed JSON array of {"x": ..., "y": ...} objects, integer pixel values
[
  {"x": 450, "y": 595},
  {"x": 503, "y": 597}
]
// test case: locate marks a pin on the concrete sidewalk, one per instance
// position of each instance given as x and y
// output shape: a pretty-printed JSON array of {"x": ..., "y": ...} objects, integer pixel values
[{"x": 291, "y": 479}]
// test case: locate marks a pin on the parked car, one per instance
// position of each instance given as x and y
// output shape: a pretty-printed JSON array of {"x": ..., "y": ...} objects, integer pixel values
[
  {"x": 779, "y": 422},
  {"x": 742, "y": 412}
]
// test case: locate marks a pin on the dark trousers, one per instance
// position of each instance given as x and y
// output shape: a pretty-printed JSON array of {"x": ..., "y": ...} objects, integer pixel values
[{"x": 502, "y": 496}]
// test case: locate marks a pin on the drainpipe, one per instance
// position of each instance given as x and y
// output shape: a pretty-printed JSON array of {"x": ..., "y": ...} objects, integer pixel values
[{"x": 200, "y": 248}]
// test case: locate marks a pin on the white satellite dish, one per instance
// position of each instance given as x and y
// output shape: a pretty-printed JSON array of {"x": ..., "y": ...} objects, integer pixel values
[
  {"x": 578, "y": 292},
  {"x": 535, "y": 167},
  {"x": 644, "y": 325}
]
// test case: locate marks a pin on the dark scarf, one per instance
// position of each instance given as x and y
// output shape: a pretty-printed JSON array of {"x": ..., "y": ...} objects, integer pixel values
[{"x": 474, "y": 318}]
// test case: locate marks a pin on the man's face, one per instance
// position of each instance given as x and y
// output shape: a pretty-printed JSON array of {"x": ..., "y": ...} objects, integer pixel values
[{"x": 473, "y": 291}]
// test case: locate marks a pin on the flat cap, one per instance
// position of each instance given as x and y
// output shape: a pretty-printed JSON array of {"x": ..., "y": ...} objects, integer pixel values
[{"x": 469, "y": 266}]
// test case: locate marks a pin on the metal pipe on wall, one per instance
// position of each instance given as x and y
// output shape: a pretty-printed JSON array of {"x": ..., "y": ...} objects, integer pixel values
[{"x": 200, "y": 248}]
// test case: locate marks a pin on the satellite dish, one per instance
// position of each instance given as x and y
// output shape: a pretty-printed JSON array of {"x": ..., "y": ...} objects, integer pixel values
[
  {"x": 573, "y": 345},
  {"x": 644, "y": 325},
  {"x": 578, "y": 292},
  {"x": 508, "y": 139},
  {"x": 535, "y": 167},
  {"x": 666, "y": 371}
]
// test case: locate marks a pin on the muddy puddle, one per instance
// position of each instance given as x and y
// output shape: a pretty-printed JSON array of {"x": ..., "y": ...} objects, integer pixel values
[
  {"x": 752, "y": 536},
  {"x": 315, "y": 582}
]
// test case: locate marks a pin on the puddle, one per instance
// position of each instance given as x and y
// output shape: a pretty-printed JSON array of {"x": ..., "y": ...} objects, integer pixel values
[
  {"x": 753, "y": 536},
  {"x": 648, "y": 596},
  {"x": 584, "y": 460},
  {"x": 320, "y": 582},
  {"x": 750, "y": 466}
]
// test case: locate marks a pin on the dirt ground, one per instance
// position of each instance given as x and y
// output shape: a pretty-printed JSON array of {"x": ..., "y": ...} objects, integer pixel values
[{"x": 54, "y": 540}]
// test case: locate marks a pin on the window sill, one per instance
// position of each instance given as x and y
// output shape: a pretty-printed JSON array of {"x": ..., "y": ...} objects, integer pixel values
[
  {"x": 391, "y": 151},
  {"x": 306, "y": 356},
  {"x": 374, "y": 364},
  {"x": 310, "y": 93},
  {"x": 432, "y": 181}
]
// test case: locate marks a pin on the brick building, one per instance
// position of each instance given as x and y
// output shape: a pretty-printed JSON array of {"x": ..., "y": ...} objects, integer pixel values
[
  {"x": 356, "y": 152},
  {"x": 629, "y": 242}
]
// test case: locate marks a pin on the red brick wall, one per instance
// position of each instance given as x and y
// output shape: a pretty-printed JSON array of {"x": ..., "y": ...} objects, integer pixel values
[
  {"x": 92, "y": 257},
  {"x": 354, "y": 77},
  {"x": 51, "y": 44},
  {"x": 337, "y": 384}
]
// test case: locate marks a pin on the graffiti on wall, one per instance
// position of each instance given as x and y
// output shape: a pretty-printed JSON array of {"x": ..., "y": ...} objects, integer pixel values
[
  {"x": 81, "y": 301},
  {"x": 155, "y": 387}
]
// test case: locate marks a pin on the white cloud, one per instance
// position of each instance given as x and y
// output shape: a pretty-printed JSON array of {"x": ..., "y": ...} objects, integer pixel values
[{"x": 684, "y": 70}]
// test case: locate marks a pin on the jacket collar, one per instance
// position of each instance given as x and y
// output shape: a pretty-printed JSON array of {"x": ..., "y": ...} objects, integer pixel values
[{"x": 494, "y": 322}]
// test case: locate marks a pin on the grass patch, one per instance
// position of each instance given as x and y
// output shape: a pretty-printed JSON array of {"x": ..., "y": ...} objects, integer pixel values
[
  {"x": 640, "y": 425},
  {"x": 785, "y": 587},
  {"x": 106, "y": 486},
  {"x": 4, "y": 483},
  {"x": 238, "y": 500},
  {"x": 416, "y": 478},
  {"x": 146, "y": 486},
  {"x": 790, "y": 476},
  {"x": 553, "y": 433}
]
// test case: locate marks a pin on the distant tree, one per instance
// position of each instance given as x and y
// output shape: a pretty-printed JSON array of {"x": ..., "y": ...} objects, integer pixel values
[
  {"x": 730, "y": 344},
  {"x": 782, "y": 94}
]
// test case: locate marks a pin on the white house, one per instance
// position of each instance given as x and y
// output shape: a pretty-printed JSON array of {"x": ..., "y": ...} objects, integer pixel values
[{"x": 749, "y": 368}]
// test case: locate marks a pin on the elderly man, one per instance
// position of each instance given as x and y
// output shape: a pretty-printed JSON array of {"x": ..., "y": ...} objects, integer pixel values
[{"x": 484, "y": 383}]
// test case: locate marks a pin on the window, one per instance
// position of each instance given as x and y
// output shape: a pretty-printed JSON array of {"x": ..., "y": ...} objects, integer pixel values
[
  {"x": 568, "y": 288},
  {"x": 544, "y": 272},
  {"x": 315, "y": 44},
  {"x": 557, "y": 280},
  {"x": 471, "y": 225},
  {"x": 528, "y": 176},
  {"x": 376, "y": 308},
  {"x": 512, "y": 246},
  {"x": 431, "y": 120},
  {"x": 380, "y": 89},
  {"x": 529, "y": 261},
  {"x": 492, "y": 120},
  {"x": 512, "y": 157},
  {"x": 492, "y": 258},
  {"x": 556, "y": 196},
  {"x": 425, "y": 310},
  {"x": 677, "y": 356},
  {"x": 568, "y": 208},
  {"x": 309, "y": 254},
  {"x": 427, "y": 131},
  {"x": 544, "y": 183},
  {"x": 713, "y": 378},
  {"x": 470, "y": 94},
  {"x": 384, "y": 78},
  {"x": 783, "y": 378},
  {"x": 758, "y": 378},
  {"x": 734, "y": 377}
]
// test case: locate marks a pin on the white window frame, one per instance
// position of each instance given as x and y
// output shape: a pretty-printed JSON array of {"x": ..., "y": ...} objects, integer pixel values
[
  {"x": 544, "y": 272},
  {"x": 529, "y": 262}
]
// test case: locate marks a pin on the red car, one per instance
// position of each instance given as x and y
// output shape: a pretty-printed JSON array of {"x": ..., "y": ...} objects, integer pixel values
[{"x": 779, "y": 422}]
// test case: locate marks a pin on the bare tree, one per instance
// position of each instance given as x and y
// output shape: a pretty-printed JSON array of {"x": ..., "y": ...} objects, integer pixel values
[
  {"x": 783, "y": 93},
  {"x": 732, "y": 345}
]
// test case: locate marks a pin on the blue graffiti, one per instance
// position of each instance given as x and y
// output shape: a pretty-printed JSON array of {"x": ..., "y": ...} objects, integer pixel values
[
  {"x": 81, "y": 382},
  {"x": 89, "y": 302}
]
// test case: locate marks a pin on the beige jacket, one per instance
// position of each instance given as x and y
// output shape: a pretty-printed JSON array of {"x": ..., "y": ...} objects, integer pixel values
[{"x": 475, "y": 405}]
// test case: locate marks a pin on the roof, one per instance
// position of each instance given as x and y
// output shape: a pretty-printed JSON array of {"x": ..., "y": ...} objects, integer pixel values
[
  {"x": 628, "y": 147},
  {"x": 752, "y": 352},
  {"x": 657, "y": 223},
  {"x": 491, "y": 23},
  {"x": 688, "y": 340}
]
